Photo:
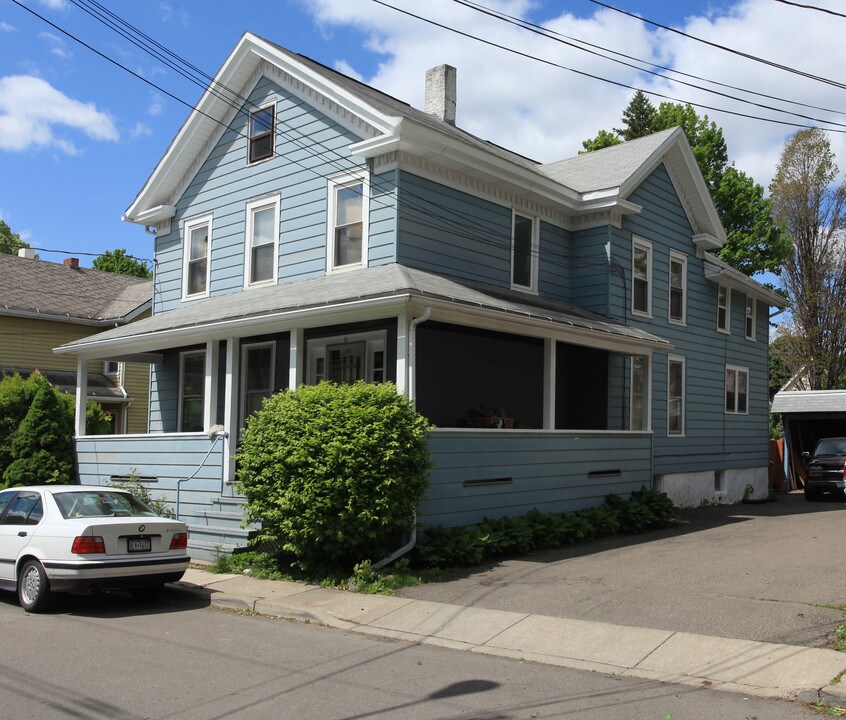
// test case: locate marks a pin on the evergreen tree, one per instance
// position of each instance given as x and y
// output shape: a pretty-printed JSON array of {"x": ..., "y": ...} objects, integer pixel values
[{"x": 638, "y": 118}]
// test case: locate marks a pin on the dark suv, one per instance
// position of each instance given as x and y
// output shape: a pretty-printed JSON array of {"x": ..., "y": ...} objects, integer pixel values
[{"x": 826, "y": 473}]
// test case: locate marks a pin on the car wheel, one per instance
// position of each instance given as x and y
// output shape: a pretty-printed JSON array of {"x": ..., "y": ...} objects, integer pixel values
[
  {"x": 34, "y": 588},
  {"x": 146, "y": 594}
]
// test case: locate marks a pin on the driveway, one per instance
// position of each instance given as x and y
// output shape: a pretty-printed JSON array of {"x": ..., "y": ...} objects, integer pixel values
[{"x": 758, "y": 572}]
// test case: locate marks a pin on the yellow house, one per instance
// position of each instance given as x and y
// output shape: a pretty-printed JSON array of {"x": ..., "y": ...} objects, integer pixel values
[{"x": 45, "y": 304}]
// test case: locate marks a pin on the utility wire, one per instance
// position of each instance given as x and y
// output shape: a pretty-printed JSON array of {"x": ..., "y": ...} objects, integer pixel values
[{"x": 811, "y": 7}]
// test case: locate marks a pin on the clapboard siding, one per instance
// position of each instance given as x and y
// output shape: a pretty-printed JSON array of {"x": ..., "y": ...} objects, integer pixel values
[
  {"x": 547, "y": 470},
  {"x": 713, "y": 439},
  {"x": 589, "y": 269},
  {"x": 29, "y": 343}
]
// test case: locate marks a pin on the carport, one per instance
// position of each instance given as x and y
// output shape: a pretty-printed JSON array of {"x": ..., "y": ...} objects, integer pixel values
[{"x": 807, "y": 416}]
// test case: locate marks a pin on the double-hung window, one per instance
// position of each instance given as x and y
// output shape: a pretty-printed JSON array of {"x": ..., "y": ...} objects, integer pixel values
[
  {"x": 262, "y": 241},
  {"x": 641, "y": 277},
  {"x": 261, "y": 127},
  {"x": 675, "y": 395},
  {"x": 678, "y": 288},
  {"x": 750, "y": 317},
  {"x": 639, "y": 415},
  {"x": 737, "y": 390},
  {"x": 192, "y": 384},
  {"x": 524, "y": 253},
  {"x": 257, "y": 368},
  {"x": 347, "y": 226},
  {"x": 724, "y": 309},
  {"x": 197, "y": 242}
]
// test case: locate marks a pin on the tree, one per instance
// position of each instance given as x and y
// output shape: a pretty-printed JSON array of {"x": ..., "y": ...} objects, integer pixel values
[
  {"x": 10, "y": 242},
  {"x": 755, "y": 242},
  {"x": 117, "y": 261},
  {"x": 812, "y": 210}
]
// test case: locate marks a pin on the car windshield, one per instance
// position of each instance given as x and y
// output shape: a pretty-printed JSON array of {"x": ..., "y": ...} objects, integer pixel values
[
  {"x": 101, "y": 503},
  {"x": 830, "y": 446}
]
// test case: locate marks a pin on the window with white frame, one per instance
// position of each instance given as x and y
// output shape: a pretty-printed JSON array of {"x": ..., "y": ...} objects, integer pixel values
[
  {"x": 111, "y": 367},
  {"x": 262, "y": 244},
  {"x": 675, "y": 395},
  {"x": 261, "y": 126},
  {"x": 750, "y": 317},
  {"x": 258, "y": 362},
  {"x": 641, "y": 277},
  {"x": 347, "y": 226},
  {"x": 197, "y": 242},
  {"x": 724, "y": 308},
  {"x": 524, "y": 252},
  {"x": 737, "y": 390},
  {"x": 192, "y": 384},
  {"x": 639, "y": 406},
  {"x": 348, "y": 358},
  {"x": 678, "y": 288}
]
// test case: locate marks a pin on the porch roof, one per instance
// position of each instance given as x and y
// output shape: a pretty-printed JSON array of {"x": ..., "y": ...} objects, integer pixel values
[{"x": 349, "y": 290}]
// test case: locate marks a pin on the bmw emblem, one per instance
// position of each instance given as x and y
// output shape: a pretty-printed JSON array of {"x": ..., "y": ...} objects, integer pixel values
[{"x": 142, "y": 528}]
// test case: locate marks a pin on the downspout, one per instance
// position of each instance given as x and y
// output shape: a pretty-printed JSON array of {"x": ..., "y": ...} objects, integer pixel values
[
  {"x": 216, "y": 432},
  {"x": 411, "y": 386}
]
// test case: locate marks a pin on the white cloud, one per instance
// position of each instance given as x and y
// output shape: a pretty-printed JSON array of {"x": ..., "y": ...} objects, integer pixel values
[
  {"x": 55, "y": 4},
  {"x": 545, "y": 112},
  {"x": 32, "y": 112},
  {"x": 5, "y": 27},
  {"x": 59, "y": 46},
  {"x": 140, "y": 130},
  {"x": 156, "y": 106}
]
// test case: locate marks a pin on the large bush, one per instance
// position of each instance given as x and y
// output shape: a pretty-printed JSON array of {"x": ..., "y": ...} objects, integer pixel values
[
  {"x": 16, "y": 400},
  {"x": 334, "y": 473}
]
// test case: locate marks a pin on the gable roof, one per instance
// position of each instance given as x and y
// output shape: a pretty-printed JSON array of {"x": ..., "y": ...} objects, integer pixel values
[
  {"x": 809, "y": 401},
  {"x": 583, "y": 184},
  {"x": 53, "y": 291},
  {"x": 392, "y": 283}
]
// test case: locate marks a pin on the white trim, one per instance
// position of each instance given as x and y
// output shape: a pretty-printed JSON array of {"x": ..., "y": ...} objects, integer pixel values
[
  {"x": 188, "y": 225},
  {"x": 253, "y": 111},
  {"x": 738, "y": 370},
  {"x": 727, "y": 308},
  {"x": 181, "y": 386},
  {"x": 642, "y": 244},
  {"x": 242, "y": 394},
  {"x": 252, "y": 208},
  {"x": 680, "y": 360},
  {"x": 534, "y": 252},
  {"x": 677, "y": 257},
  {"x": 333, "y": 185},
  {"x": 374, "y": 340},
  {"x": 752, "y": 303}
]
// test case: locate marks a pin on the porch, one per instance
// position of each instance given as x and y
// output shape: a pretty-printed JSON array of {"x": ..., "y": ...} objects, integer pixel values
[{"x": 476, "y": 473}]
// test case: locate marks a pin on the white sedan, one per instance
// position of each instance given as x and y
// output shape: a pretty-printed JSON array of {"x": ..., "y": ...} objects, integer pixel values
[{"x": 58, "y": 538}]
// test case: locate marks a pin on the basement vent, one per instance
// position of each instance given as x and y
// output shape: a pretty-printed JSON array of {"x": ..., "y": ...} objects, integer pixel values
[
  {"x": 483, "y": 482},
  {"x": 129, "y": 478},
  {"x": 604, "y": 473}
]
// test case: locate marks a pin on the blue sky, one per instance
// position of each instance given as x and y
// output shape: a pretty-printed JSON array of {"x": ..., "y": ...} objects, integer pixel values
[{"x": 79, "y": 136}]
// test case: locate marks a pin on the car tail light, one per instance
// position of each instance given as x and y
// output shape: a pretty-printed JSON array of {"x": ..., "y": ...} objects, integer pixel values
[
  {"x": 87, "y": 545},
  {"x": 179, "y": 541}
]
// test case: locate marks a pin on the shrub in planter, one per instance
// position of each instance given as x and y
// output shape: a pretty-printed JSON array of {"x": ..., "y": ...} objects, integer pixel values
[{"x": 334, "y": 473}]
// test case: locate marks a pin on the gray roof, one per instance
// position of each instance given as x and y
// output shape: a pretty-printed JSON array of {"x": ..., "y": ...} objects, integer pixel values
[
  {"x": 810, "y": 401},
  {"x": 99, "y": 385},
  {"x": 355, "y": 286},
  {"x": 606, "y": 168},
  {"x": 51, "y": 289}
]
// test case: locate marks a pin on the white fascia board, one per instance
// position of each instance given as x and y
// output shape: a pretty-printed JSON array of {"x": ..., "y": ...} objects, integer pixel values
[
  {"x": 606, "y": 201},
  {"x": 152, "y": 216},
  {"x": 719, "y": 272},
  {"x": 35, "y": 315},
  {"x": 706, "y": 242}
]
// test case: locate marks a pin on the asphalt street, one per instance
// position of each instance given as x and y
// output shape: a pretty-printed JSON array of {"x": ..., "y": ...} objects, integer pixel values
[
  {"x": 111, "y": 657},
  {"x": 766, "y": 572}
]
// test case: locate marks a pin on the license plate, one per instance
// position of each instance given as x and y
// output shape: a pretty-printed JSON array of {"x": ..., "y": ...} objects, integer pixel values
[{"x": 139, "y": 544}]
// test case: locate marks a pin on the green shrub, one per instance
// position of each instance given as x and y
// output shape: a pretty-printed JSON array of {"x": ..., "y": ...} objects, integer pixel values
[
  {"x": 334, "y": 473},
  {"x": 454, "y": 547},
  {"x": 141, "y": 490}
]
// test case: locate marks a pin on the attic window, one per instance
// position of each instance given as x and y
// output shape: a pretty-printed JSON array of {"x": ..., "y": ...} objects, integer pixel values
[{"x": 261, "y": 133}]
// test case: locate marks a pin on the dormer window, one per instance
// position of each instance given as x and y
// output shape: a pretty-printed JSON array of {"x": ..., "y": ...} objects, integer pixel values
[{"x": 261, "y": 133}]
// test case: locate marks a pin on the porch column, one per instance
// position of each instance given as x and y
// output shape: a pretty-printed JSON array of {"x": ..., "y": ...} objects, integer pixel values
[
  {"x": 404, "y": 360},
  {"x": 296, "y": 359},
  {"x": 210, "y": 393},
  {"x": 549, "y": 363},
  {"x": 81, "y": 395},
  {"x": 230, "y": 420}
]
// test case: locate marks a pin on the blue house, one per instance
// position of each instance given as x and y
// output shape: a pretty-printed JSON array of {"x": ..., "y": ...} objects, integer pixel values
[{"x": 565, "y": 326}]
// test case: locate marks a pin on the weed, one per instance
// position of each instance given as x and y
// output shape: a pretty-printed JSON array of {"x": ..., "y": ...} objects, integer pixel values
[{"x": 256, "y": 564}]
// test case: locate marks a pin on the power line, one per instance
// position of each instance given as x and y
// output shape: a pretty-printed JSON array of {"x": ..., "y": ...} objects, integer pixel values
[
  {"x": 725, "y": 48},
  {"x": 811, "y": 7}
]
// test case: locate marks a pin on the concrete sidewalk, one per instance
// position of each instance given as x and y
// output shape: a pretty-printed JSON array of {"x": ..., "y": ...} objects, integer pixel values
[{"x": 755, "y": 668}]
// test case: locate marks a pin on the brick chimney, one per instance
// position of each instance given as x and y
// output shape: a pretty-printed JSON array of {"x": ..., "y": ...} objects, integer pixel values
[
  {"x": 72, "y": 263},
  {"x": 440, "y": 99}
]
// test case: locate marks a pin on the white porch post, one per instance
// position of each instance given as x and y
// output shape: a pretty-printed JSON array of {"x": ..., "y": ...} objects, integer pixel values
[
  {"x": 296, "y": 359},
  {"x": 81, "y": 395},
  {"x": 210, "y": 393},
  {"x": 404, "y": 361},
  {"x": 230, "y": 421},
  {"x": 549, "y": 363}
]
